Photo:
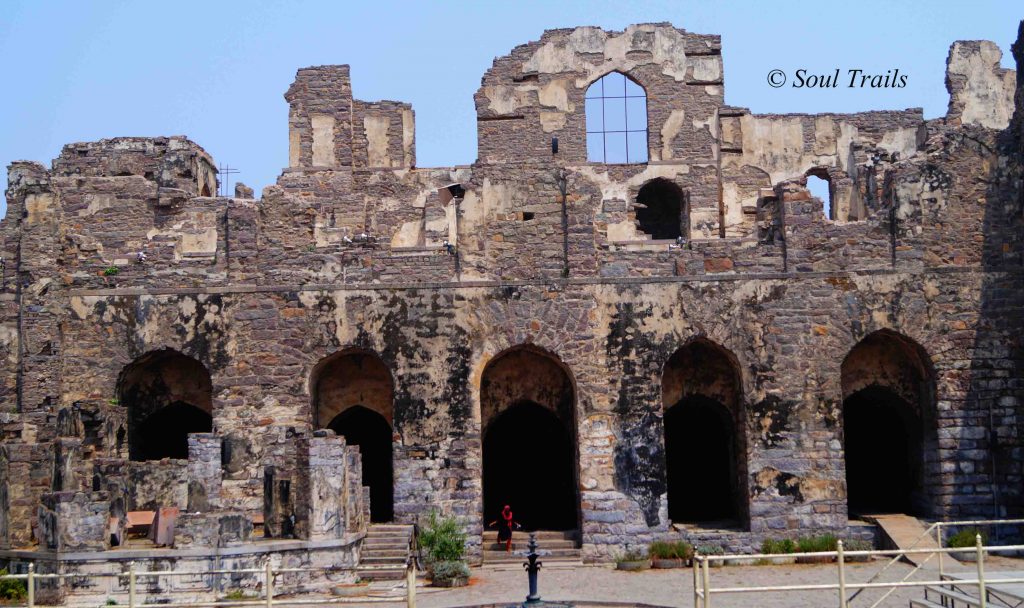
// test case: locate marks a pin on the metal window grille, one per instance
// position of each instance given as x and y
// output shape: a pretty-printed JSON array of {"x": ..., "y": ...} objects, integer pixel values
[{"x": 616, "y": 112}]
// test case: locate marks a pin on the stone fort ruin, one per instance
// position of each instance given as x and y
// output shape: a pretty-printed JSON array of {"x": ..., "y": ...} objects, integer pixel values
[{"x": 628, "y": 331}]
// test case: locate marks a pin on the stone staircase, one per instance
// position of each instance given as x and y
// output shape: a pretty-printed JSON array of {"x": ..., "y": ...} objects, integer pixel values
[
  {"x": 561, "y": 548},
  {"x": 385, "y": 552}
]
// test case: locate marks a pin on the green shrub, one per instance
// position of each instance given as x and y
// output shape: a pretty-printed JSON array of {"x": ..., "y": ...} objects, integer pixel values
[
  {"x": 11, "y": 589},
  {"x": 442, "y": 538},
  {"x": 775, "y": 546},
  {"x": 670, "y": 550},
  {"x": 238, "y": 594},
  {"x": 966, "y": 538},
  {"x": 446, "y": 570},
  {"x": 817, "y": 544},
  {"x": 710, "y": 550},
  {"x": 110, "y": 271}
]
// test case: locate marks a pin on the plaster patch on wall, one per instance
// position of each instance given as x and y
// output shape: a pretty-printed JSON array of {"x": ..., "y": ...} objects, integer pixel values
[
  {"x": 669, "y": 130},
  {"x": 552, "y": 121},
  {"x": 323, "y": 140},
  {"x": 408, "y": 138},
  {"x": 376, "y": 129}
]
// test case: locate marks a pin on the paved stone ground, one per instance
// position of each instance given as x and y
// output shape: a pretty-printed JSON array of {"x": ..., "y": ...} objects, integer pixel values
[{"x": 675, "y": 587}]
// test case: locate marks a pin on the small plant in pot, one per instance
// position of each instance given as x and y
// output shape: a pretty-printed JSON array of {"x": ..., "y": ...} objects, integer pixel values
[
  {"x": 665, "y": 554},
  {"x": 856, "y": 544},
  {"x": 966, "y": 539},
  {"x": 781, "y": 547},
  {"x": 444, "y": 542},
  {"x": 712, "y": 550},
  {"x": 632, "y": 560},
  {"x": 816, "y": 544}
]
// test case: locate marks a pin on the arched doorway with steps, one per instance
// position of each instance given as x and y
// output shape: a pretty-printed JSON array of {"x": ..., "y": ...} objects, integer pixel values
[{"x": 530, "y": 455}]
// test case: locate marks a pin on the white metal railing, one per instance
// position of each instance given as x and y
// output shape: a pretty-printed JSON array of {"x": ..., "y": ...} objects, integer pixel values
[
  {"x": 703, "y": 592},
  {"x": 31, "y": 579}
]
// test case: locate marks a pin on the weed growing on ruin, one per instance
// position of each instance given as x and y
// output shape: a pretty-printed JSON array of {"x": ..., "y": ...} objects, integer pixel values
[
  {"x": 11, "y": 589},
  {"x": 110, "y": 271}
]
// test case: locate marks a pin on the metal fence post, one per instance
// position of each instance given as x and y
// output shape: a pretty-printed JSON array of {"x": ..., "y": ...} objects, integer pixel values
[
  {"x": 938, "y": 542},
  {"x": 270, "y": 584},
  {"x": 131, "y": 584},
  {"x": 410, "y": 583},
  {"x": 30, "y": 585},
  {"x": 842, "y": 574},
  {"x": 982, "y": 601},
  {"x": 696, "y": 582},
  {"x": 707, "y": 583}
]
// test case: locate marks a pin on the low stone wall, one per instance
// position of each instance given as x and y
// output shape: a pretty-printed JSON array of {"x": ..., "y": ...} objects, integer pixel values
[{"x": 102, "y": 576}]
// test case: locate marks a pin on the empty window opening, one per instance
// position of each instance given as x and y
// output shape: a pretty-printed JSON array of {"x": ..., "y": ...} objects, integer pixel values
[
  {"x": 888, "y": 426},
  {"x": 527, "y": 403},
  {"x": 168, "y": 395},
  {"x": 660, "y": 210},
  {"x": 527, "y": 216},
  {"x": 821, "y": 188},
  {"x": 705, "y": 454},
  {"x": 616, "y": 109},
  {"x": 353, "y": 394}
]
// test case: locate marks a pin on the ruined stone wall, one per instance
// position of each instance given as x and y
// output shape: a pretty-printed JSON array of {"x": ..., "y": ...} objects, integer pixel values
[{"x": 344, "y": 254}]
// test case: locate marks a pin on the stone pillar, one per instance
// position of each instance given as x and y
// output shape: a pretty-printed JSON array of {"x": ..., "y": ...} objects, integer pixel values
[
  {"x": 320, "y": 118},
  {"x": 204, "y": 471},
  {"x": 357, "y": 509},
  {"x": 327, "y": 486},
  {"x": 74, "y": 521}
]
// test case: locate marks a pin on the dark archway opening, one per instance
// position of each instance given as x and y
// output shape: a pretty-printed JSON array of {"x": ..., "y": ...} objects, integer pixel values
[
  {"x": 372, "y": 433},
  {"x": 164, "y": 433},
  {"x": 168, "y": 395},
  {"x": 529, "y": 464},
  {"x": 700, "y": 454},
  {"x": 660, "y": 210},
  {"x": 883, "y": 452}
]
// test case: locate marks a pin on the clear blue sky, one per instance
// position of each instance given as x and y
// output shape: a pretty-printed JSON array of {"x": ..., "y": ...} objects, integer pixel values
[{"x": 217, "y": 71}]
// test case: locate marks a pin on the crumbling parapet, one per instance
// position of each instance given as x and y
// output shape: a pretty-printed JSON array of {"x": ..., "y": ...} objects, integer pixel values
[{"x": 980, "y": 91}]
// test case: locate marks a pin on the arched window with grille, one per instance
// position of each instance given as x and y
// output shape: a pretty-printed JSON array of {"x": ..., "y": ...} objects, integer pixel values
[{"x": 616, "y": 108}]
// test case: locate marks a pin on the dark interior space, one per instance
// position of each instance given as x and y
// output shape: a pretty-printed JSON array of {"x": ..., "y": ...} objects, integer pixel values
[
  {"x": 528, "y": 465},
  {"x": 883, "y": 452},
  {"x": 372, "y": 433},
  {"x": 164, "y": 433},
  {"x": 700, "y": 456},
  {"x": 659, "y": 210}
]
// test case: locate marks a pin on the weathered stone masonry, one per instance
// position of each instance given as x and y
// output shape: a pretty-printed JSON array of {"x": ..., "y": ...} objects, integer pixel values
[{"x": 767, "y": 307}]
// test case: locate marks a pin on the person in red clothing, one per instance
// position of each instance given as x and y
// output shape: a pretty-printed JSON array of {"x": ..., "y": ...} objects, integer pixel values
[{"x": 506, "y": 527}]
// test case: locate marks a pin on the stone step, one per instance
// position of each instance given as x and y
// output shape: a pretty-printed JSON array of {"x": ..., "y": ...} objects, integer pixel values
[
  {"x": 384, "y": 560},
  {"x": 551, "y": 544},
  {"x": 378, "y": 551},
  {"x": 924, "y": 604},
  {"x": 492, "y": 557},
  {"x": 385, "y": 542},
  {"x": 380, "y": 574},
  {"x": 491, "y": 536},
  {"x": 391, "y": 528}
]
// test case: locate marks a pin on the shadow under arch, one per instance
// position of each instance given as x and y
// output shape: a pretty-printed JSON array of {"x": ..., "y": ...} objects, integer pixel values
[
  {"x": 705, "y": 436},
  {"x": 352, "y": 393},
  {"x": 529, "y": 431},
  {"x": 662, "y": 210},
  {"x": 168, "y": 395},
  {"x": 889, "y": 426}
]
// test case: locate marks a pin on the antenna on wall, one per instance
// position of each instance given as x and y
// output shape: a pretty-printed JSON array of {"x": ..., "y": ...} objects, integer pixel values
[{"x": 225, "y": 185}]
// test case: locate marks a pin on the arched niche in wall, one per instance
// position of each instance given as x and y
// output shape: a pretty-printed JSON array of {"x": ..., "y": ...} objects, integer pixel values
[
  {"x": 705, "y": 436},
  {"x": 353, "y": 393},
  {"x": 168, "y": 395},
  {"x": 888, "y": 425},
  {"x": 530, "y": 455}
]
